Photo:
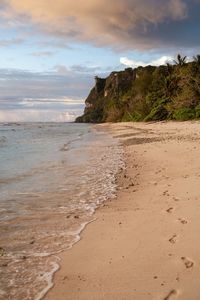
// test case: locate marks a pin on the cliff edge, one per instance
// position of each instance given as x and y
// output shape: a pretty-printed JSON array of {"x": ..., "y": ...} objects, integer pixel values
[{"x": 146, "y": 94}]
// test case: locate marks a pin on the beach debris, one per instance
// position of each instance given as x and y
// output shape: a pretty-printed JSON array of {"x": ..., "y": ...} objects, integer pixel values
[{"x": 171, "y": 293}]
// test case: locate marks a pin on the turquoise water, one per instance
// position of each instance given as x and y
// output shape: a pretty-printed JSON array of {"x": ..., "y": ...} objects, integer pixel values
[{"x": 52, "y": 177}]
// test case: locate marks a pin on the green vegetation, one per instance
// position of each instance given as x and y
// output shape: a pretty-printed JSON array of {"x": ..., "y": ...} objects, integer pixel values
[
  {"x": 168, "y": 92},
  {"x": 184, "y": 114}
]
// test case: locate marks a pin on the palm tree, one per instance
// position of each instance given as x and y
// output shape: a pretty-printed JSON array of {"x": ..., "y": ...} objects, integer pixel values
[
  {"x": 181, "y": 61},
  {"x": 169, "y": 68},
  {"x": 197, "y": 59}
]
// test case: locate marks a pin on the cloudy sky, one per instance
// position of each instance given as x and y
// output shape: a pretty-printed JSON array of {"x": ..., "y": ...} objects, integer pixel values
[{"x": 51, "y": 50}]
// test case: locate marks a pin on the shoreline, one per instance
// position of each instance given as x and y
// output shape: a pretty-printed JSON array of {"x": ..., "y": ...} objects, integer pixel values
[
  {"x": 143, "y": 244},
  {"x": 47, "y": 200}
]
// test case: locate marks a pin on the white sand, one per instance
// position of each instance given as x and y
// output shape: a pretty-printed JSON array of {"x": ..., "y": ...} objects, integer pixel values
[{"x": 146, "y": 243}]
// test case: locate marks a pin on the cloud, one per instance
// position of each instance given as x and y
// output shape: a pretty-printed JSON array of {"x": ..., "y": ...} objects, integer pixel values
[
  {"x": 34, "y": 115},
  {"x": 134, "y": 63},
  {"x": 11, "y": 42},
  {"x": 162, "y": 61},
  {"x": 85, "y": 69},
  {"x": 54, "y": 43},
  {"x": 40, "y": 110},
  {"x": 137, "y": 24},
  {"x": 56, "y": 84},
  {"x": 30, "y": 102},
  {"x": 42, "y": 53},
  {"x": 45, "y": 96},
  {"x": 80, "y": 69}
]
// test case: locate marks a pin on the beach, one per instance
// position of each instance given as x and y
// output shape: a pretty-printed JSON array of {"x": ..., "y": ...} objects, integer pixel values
[{"x": 145, "y": 243}]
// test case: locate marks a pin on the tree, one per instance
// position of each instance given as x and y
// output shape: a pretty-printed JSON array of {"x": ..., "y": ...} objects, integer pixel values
[
  {"x": 169, "y": 68},
  {"x": 197, "y": 59},
  {"x": 181, "y": 61}
]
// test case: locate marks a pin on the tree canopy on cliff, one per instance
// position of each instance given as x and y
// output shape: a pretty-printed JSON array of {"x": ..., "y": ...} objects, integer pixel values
[{"x": 167, "y": 92}]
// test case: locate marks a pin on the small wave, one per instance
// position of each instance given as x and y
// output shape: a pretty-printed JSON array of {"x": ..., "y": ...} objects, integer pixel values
[
  {"x": 53, "y": 223},
  {"x": 48, "y": 278},
  {"x": 66, "y": 146}
]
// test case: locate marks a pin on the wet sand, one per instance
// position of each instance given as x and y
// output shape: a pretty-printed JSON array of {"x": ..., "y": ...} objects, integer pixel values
[{"x": 144, "y": 244}]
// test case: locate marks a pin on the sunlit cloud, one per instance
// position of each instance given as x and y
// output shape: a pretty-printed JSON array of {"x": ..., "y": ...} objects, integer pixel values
[
  {"x": 137, "y": 24},
  {"x": 157, "y": 62}
]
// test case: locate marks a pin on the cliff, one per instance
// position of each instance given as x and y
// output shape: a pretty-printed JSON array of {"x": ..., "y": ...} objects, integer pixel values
[{"x": 146, "y": 94}]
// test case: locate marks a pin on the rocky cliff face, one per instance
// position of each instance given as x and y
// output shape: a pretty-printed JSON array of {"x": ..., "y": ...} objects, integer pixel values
[
  {"x": 105, "y": 93},
  {"x": 149, "y": 93}
]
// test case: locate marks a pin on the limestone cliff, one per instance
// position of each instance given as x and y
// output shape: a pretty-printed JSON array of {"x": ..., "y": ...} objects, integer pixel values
[{"x": 145, "y": 93}]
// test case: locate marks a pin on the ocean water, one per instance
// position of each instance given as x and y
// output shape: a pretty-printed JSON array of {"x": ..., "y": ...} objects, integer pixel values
[{"x": 52, "y": 178}]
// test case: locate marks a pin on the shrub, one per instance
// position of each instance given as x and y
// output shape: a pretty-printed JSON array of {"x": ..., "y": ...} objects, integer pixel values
[
  {"x": 157, "y": 113},
  {"x": 197, "y": 111},
  {"x": 184, "y": 114},
  {"x": 127, "y": 117}
]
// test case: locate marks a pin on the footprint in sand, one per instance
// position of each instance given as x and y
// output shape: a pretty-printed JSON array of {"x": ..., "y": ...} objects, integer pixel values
[
  {"x": 185, "y": 176},
  {"x": 172, "y": 240},
  {"x": 188, "y": 263},
  {"x": 171, "y": 293},
  {"x": 169, "y": 210},
  {"x": 166, "y": 193},
  {"x": 159, "y": 171},
  {"x": 183, "y": 221},
  {"x": 81, "y": 278},
  {"x": 176, "y": 199}
]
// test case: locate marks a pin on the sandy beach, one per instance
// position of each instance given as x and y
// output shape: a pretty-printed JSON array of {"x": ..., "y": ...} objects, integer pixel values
[{"x": 145, "y": 243}]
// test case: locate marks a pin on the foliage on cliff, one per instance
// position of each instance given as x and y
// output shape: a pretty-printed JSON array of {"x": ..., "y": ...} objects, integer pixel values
[{"x": 170, "y": 92}]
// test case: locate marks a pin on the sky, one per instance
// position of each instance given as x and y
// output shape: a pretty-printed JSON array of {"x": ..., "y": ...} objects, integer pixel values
[{"x": 51, "y": 50}]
